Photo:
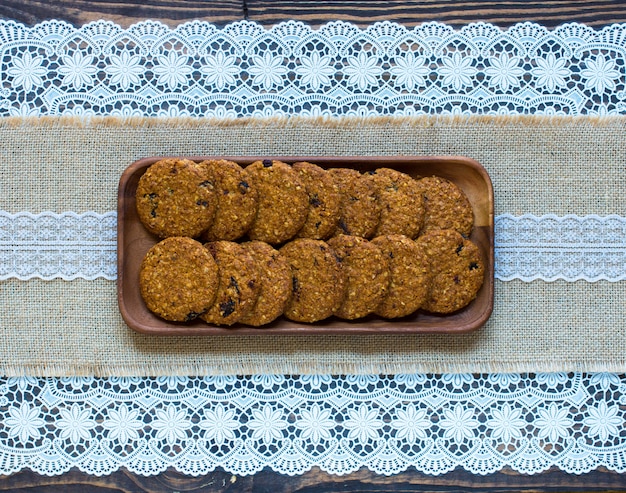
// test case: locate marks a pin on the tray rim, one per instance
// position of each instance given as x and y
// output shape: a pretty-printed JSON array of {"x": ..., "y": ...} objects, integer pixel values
[{"x": 304, "y": 329}]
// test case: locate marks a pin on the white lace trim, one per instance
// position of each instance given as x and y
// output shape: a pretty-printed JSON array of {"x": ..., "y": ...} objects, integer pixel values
[
  {"x": 549, "y": 247},
  {"x": 67, "y": 246},
  {"x": 71, "y": 246},
  {"x": 245, "y": 69},
  {"x": 481, "y": 423}
]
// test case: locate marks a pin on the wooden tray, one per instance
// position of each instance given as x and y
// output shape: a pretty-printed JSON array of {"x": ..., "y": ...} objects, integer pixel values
[{"x": 134, "y": 241}]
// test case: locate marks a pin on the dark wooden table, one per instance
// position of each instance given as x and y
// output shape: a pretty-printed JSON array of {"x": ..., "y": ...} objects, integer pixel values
[{"x": 550, "y": 13}]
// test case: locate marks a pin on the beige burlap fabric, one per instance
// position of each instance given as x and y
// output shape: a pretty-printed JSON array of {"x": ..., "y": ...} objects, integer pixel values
[{"x": 537, "y": 165}]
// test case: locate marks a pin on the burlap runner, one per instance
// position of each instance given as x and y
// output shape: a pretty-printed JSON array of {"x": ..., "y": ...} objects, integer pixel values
[{"x": 537, "y": 165}]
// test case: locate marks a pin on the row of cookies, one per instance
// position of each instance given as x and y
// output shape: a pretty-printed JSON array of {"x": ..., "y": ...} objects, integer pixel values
[
  {"x": 274, "y": 202},
  {"x": 308, "y": 280}
]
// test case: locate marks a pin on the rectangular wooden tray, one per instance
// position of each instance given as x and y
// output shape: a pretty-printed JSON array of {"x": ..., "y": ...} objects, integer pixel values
[{"x": 134, "y": 241}]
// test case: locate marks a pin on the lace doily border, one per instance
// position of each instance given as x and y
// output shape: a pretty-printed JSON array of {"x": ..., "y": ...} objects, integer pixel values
[
  {"x": 244, "y": 69},
  {"x": 434, "y": 423}
]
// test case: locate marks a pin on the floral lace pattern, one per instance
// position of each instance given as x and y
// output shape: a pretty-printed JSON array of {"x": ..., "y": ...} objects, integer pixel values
[
  {"x": 245, "y": 69},
  {"x": 290, "y": 424},
  {"x": 70, "y": 246},
  {"x": 66, "y": 246},
  {"x": 569, "y": 247}
]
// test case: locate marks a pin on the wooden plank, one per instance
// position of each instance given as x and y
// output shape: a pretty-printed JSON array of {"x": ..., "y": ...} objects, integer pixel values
[
  {"x": 124, "y": 13},
  {"x": 316, "y": 481},
  {"x": 550, "y": 13}
]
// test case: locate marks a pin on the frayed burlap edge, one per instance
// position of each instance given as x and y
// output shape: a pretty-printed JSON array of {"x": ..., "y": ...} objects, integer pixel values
[
  {"x": 422, "y": 121},
  {"x": 104, "y": 371}
]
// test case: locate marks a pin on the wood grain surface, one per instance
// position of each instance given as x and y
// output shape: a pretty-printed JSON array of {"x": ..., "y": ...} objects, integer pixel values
[
  {"x": 315, "y": 481},
  {"x": 550, "y": 13}
]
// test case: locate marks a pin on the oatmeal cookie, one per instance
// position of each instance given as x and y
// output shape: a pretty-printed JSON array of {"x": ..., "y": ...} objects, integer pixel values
[
  {"x": 457, "y": 267},
  {"x": 178, "y": 279},
  {"x": 176, "y": 197},
  {"x": 324, "y": 201},
  {"x": 318, "y": 283},
  {"x": 410, "y": 276},
  {"x": 367, "y": 275},
  {"x": 446, "y": 206},
  {"x": 283, "y": 201},
  {"x": 401, "y": 203},
  {"x": 238, "y": 283},
  {"x": 359, "y": 209},
  {"x": 237, "y": 201},
  {"x": 274, "y": 283}
]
